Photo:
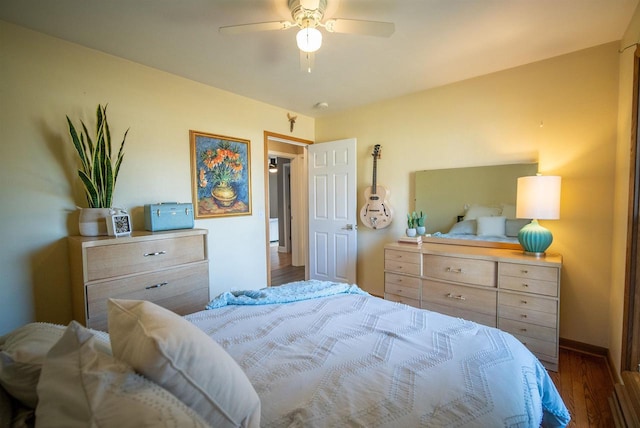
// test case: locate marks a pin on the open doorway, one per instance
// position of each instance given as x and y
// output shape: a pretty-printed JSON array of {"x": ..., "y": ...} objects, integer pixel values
[{"x": 286, "y": 208}]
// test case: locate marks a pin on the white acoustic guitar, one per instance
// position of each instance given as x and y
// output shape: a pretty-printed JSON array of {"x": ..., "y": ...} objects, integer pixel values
[{"x": 376, "y": 212}]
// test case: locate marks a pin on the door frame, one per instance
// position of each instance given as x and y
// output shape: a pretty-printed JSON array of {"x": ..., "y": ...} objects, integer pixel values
[
  {"x": 288, "y": 209},
  {"x": 631, "y": 313},
  {"x": 299, "y": 207}
]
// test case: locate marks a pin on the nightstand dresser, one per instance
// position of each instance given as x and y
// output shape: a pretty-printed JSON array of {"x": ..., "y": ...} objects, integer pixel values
[{"x": 168, "y": 268}]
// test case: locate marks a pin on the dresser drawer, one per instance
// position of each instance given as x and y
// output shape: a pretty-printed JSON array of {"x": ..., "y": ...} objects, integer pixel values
[
  {"x": 527, "y": 315},
  {"x": 401, "y": 290},
  {"x": 402, "y": 299},
  {"x": 183, "y": 289},
  {"x": 523, "y": 301},
  {"x": 468, "y": 315},
  {"x": 458, "y": 296},
  {"x": 528, "y": 285},
  {"x": 541, "y": 348},
  {"x": 402, "y": 267},
  {"x": 401, "y": 280},
  {"x": 470, "y": 271},
  {"x": 402, "y": 256},
  {"x": 526, "y": 329},
  {"x": 542, "y": 273},
  {"x": 106, "y": 261}
]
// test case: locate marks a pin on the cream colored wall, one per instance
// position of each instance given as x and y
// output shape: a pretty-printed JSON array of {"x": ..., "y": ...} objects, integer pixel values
[
  {"x": 495, "y": 119},
  {"x": 42, "y": 79},
  {"x": 621, "y": 189}
]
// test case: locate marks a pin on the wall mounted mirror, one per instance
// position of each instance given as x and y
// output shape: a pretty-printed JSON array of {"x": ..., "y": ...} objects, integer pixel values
[{"x": 442, "y": 194}]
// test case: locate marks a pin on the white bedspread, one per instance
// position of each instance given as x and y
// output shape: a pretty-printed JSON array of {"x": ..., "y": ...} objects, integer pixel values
[{"x": 357, "y": 360}]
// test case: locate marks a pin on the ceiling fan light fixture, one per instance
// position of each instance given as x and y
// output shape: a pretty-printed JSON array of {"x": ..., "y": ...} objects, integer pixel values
[
  {"x": 309, "y": 39},
  {"x": 273, "y": 166}
]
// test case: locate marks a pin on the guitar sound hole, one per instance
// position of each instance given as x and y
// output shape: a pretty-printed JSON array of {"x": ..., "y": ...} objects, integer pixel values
[{"x": 374, "y": 198}]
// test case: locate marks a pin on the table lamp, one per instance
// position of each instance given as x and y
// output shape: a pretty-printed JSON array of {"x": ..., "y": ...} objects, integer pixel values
[{"x": 538, "y": 198}]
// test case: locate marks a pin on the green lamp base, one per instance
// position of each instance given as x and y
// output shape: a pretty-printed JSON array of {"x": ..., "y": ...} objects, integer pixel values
[{"x": 534, "y": 239}]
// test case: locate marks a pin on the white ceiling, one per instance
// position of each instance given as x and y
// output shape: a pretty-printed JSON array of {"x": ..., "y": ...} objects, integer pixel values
[{"x": 435, "y": 42}]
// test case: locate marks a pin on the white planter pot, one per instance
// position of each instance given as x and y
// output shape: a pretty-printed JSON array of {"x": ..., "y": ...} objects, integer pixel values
[
  {"x": 92, "y": 221},
  {"x": 411, "y": 232}
]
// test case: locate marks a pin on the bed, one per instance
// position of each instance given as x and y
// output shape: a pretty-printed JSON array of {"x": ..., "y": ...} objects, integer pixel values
[
  {"x": 321, "y": 354},
  {"x": 483, "y": 226}
]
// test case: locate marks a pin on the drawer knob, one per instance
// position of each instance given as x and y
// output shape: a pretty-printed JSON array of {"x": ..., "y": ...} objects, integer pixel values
[
  {"x": 523, "y": 329},
  {"x": 157, "y": 253},
  {"x": 524, "y": 271},
  {"x": 524, "y": 284},
  {"x": 459, "y": 270},
  {"x": 149, "y": 287},
  {"x": 458, "y": 297},
  {"x": 524, "y": 302},
  {"x": 523, "y": 316}
]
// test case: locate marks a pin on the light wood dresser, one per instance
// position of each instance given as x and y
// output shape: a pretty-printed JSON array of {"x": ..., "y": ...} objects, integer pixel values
[
  {"x": 500, "y": 288},
  {"x": 168, "y": 268}
]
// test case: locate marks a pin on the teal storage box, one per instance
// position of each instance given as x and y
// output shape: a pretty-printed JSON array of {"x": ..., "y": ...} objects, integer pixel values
[{"x": 168, "y": 216}]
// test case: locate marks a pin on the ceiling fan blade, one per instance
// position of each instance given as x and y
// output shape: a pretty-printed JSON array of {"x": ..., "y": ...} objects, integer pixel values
[
  {"x": 259, "y": 26},
  {"x": 307, "y": 61},
  {"x": 365, "y": 28}
]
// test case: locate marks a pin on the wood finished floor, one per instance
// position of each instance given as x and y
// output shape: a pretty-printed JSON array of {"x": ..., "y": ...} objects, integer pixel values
[
  {"x": 281, "y": 269},
  {"x": 585, "y": 384},
  {"x": 583, "y": 380}
]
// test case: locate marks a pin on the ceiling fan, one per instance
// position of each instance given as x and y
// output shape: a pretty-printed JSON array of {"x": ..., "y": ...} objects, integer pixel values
[{"x": 307, "y": 17}]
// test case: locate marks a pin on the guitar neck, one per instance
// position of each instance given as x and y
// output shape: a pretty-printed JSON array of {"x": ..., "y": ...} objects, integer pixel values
[{"x": 374, "y": 181}]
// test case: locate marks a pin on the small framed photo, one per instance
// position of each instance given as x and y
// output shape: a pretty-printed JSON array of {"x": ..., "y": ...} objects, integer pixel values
[{"x": 220, "y": 174}]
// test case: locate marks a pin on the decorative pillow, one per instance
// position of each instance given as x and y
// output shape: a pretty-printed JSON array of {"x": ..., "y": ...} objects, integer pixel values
[
  {"x": 492, "y": 226},
  {"x": 514, "y": 225},
  {"x": 22, "y": 353},
  {"x": 509, "y": 211},
  {"x": 465, "y": 227},
  {"x": 80, "y": 386},
  {"x": 178, "y": 356},
  {"x": 6, "y": 409},
  {"x": 475, "y": 211}
]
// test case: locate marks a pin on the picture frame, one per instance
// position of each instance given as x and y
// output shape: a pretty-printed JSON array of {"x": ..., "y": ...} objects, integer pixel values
[{"x": 220, "y": 175}]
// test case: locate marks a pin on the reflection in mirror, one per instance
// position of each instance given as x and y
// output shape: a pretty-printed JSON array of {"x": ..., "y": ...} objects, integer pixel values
[{"x": 443, "y": 194}]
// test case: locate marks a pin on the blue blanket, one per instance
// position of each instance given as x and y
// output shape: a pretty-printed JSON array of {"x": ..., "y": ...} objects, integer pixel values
[{"x": 292, "y": 292}]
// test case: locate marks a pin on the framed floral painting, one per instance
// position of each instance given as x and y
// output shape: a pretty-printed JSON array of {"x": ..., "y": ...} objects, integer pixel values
[{"x": 221, "y": 175}]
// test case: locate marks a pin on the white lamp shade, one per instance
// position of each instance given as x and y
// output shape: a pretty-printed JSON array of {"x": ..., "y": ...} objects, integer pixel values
[
  {"x": 309, "y": 39},
  {"x": 538, "y": 197}
]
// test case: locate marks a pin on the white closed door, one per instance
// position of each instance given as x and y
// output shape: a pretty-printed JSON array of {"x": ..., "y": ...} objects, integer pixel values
[{"x": 332, "y": 211}]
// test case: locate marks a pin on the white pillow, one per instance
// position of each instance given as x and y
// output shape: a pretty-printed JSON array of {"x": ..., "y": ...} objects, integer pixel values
[
  {"x": 492, "y": 226},
  {"x": 22, "y": 353},
  {"x": 81, "y": 386},
  {"x": 475, "y": 211},
  {"x": 465, "y": 227},
  {"x": 178, "y": 356}
]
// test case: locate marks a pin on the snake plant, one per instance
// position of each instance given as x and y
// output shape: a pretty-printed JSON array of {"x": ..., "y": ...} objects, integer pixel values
[{"x": 98, "y": 172}]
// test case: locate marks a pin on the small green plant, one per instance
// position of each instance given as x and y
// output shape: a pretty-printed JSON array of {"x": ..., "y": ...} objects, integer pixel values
[
  {"x": 420, "y": 219},
  {"x": 98, "y": 173},
  {"x": 412, "y": 220}
]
